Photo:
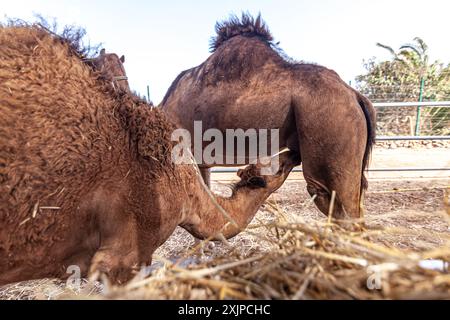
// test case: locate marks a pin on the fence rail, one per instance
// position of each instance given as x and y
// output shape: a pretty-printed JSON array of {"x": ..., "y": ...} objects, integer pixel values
[
  {"x": 396, "y": 138},
  {"x": 298, "y": 169},
  {"x": 413, "y": 118},
  {"x": 442, "y": 104}
]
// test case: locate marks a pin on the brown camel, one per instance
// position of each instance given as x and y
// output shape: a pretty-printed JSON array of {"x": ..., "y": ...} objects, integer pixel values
[
  {"x": 111, "y": 68},
  {"x": 247, "y": 82},
  {"x": 86, "y": 174}
]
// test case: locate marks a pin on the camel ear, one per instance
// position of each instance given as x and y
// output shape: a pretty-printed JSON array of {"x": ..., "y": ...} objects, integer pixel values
[
  {"x": 240, "y": 172},
  {"x": 102, "y": 52},
  {"x": 257, "y": 182},
  {"x": 122, "y": 59}
]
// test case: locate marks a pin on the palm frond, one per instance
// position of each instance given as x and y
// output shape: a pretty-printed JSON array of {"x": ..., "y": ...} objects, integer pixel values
[
  {"x": 388, "y": 48},
  {"x": 422, "y": 44},
  {"x": 413, "y": 48}
]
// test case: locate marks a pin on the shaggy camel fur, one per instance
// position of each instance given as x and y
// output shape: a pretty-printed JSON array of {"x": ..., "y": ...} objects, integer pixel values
[{"x": 86, "y": 175}]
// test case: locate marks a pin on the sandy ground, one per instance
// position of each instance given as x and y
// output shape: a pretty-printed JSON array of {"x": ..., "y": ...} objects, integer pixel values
[
  {"x": 409, "y": 200},
  {"x": 408, "y": 207},
  {"x": 415, "y": 207}
]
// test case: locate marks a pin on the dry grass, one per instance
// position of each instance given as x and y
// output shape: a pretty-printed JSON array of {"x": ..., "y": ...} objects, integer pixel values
[
  {"x": 48, "y": 289},
  {"x": 290, "y": 251},
  {"x": 321, "y": 261}
]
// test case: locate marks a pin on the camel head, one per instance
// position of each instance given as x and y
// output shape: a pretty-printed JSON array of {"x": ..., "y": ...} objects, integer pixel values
[
  {"x": 252, "y": 176},
  {"x": 111, "y": 68}
]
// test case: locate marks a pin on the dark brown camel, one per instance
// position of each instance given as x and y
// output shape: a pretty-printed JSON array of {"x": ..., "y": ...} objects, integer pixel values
[
  {"x": 248, "y": 83},
  {"x": 86, "y": 175}
]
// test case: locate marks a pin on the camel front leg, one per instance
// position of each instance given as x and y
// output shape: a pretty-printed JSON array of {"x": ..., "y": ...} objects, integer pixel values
[
  {"x": 118, "y": 255},
  {"x": 112, "y": 262}
]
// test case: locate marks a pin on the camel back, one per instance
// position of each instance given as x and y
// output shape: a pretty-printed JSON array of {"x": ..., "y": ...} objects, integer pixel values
[{"x": 62, "y": 126}]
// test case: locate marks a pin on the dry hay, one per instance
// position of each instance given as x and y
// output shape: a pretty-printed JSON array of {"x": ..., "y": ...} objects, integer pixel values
[
  {"x": 304, "y": 260},
  {"x": 295, "y": 257},
  {"x": 49, "y": 289}
]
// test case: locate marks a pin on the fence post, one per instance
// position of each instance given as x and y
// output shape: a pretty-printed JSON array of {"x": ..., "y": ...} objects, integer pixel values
[
  {"x": 422, "y": 84},
  {"x": 148, "y": 93}
]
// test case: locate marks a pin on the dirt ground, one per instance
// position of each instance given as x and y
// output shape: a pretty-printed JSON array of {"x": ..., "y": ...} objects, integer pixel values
[
  {"x": 414, "y": 207},
  {"x": 403, "y": 210},
  {"x": 409, "y": 203},
  {"x": 406, "y": 214}
]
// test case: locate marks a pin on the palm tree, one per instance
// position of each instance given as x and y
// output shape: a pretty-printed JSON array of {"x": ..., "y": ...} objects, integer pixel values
[
  {"x": 403, "y": 78},
  {"x": 414, "y": 56}
]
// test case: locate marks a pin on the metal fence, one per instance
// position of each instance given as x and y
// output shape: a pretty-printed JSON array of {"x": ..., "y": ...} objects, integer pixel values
[
  {"x": 437, "y": 120},
  {"x": 413, "y": 118}
]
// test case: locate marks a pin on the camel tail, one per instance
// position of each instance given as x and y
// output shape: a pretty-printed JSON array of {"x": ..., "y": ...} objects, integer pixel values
[{"x": 370, "y": 115}]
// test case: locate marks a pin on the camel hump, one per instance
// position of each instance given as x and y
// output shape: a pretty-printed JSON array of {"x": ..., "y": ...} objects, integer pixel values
[{"x": 247, "y": 26}]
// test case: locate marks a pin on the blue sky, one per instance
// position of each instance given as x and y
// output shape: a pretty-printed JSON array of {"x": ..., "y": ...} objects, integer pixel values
[{"x": 162, "y": 38}]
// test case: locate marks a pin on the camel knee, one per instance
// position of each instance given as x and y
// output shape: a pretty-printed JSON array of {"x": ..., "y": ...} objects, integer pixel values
[
  {"x": 115, "y": 265},
  {"x": 323, "y": 200}
]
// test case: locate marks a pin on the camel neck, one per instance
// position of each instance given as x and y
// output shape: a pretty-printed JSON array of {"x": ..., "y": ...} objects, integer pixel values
[{"x": 208, "y": 219}]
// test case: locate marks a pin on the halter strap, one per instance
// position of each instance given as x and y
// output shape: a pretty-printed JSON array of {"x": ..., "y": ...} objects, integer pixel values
[{"x": 118, "y": 78}]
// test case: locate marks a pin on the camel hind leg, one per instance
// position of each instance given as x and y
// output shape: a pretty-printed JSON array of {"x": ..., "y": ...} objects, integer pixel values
[
  {"x": 332, "y": 140},
  {"x": 346, "y": 200}
]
